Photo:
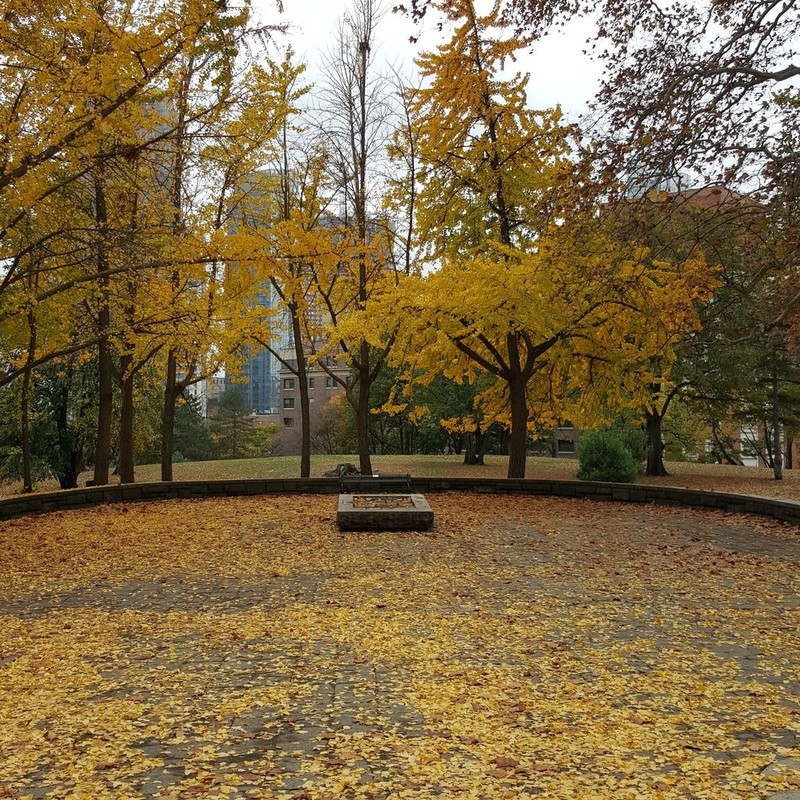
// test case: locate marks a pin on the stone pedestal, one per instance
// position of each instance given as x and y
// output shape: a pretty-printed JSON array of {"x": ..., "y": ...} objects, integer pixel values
[{"x": 383, "y": 512}]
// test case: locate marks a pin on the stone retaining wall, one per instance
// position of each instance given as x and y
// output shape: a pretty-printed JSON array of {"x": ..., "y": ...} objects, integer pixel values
[{"x": 784, "y": 510}]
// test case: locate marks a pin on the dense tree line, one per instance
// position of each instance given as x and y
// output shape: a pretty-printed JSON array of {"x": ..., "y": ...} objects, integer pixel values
[{"x": 484, "y": 269}]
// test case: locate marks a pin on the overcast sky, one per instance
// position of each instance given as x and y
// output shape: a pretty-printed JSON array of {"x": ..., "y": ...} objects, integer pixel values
[{"x": 560, "y": 73}]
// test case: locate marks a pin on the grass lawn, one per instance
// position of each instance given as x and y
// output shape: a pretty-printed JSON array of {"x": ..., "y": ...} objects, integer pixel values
[
  {"x": 716, "y": 477},
  {"x": 243, "y": 648}
]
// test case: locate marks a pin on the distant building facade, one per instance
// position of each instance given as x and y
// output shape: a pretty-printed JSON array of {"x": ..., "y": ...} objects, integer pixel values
[
  {"x": 260, "y": 371},
  {"x": 324, "y": 384}
]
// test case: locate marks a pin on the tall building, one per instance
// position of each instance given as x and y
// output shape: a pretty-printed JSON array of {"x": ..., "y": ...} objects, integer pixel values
[
  {"x": 261, "y": 370},
  {"x": 260, "y": 374}
]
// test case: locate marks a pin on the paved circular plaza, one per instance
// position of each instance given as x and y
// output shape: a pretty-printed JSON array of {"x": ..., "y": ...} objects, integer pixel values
[{"x": 245, "y": 648}]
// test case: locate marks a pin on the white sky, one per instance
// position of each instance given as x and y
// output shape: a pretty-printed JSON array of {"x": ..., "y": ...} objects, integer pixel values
[{"x": 560, "y": 73}]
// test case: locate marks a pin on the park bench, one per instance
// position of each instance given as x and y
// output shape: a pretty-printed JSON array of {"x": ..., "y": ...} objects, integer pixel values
[{"x": 375, "y": 483}]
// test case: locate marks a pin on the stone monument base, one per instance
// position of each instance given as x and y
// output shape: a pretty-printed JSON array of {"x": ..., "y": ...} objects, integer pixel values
[{"x": 383, "y": 512}]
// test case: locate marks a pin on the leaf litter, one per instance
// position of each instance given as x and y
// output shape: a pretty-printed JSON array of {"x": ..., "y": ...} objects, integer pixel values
[{"x": 244, "y": 648}]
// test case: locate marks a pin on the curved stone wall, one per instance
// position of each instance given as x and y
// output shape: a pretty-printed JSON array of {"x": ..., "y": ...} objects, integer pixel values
[{"x": 23, "y": 505}]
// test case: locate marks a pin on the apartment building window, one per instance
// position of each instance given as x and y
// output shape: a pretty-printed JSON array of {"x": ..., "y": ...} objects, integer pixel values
[
  {"x": 329, "y": 383},
  {"x": 288, "y": 383},
  {"x": 566, "y": 446},
  {"x": 288, "y": 422},
  {"x": 288, "y": 402},
  {"x": 310, "y": 383}
]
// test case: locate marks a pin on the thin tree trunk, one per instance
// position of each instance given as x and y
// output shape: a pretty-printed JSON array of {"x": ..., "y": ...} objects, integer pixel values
[
  {"x": 168, "y": 417},
  {"x": 27, "y": 466},
  {"x": 68, "y": 475},
  {"x": 305, "y": 405},
  {"x": 126, "y": 460},
  {"x": 105, "y": 390},
  {"x": 105, "y": 399},
  {"x": 27, "y": 469},
  {"x": 777, "y": 455},
  {"x": 171, "y": 388}
]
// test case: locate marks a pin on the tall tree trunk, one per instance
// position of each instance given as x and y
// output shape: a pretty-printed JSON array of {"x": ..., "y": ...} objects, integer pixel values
[
  {"x": 777, "y": 454},
  {"x": 168, "y": 416},
  {"x": 70, "y": 450},
  {"x": 360, "y": 154},
  {"x": 126, "y": 460},
  {"x": 172, "y": 389},
  {"x": 655, "y": 451},
  {"x": 105, "y": 390},
  {"x": 27, "y": 467},
  {"x": 305, "y": 405},
  {"x": 362, "y": 413}
]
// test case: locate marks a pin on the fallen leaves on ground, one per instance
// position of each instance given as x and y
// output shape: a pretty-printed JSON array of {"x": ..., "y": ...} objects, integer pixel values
[{"x": 244, "y": 648}]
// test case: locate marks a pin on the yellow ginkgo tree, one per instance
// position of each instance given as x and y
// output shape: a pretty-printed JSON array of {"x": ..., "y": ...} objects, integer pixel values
[
  {"x": 523, "y": 288},
  {"x": 488, "y": 168}
]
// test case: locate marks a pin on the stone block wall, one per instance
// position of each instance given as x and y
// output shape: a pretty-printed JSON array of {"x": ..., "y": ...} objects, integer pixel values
[{"x": 23, "y": 505}]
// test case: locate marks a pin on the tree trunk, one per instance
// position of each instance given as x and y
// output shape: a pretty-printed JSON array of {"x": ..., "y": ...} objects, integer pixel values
[
  {"x": 777, "y": 454},
  {"x": 362, "y": 413},
  {"x": 27, "y": 467},
  {"x": 789, "y": 455},
  {"x": 70, "y": 451},
  {"x": 126, "y": 474},
  {"x": 655, "y": 450},
  {"x": 474, "y": 448},
  {"x": 305, "y": 405},
  {"x": 105, "y": 391},
  {"x": 105, "y": 400},
  {"x": 470, "y": 457},
  {"x": 168, "y": 417},
  {"x": 518, "y": 436}
]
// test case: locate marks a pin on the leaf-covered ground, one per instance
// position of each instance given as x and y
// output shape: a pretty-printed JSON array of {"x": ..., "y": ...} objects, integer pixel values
[{"x": 244, "y": 648}]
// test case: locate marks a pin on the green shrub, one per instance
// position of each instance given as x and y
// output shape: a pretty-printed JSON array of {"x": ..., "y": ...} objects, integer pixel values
[
  {"x": 633, "y": 438},
  {"x": 607, "y": 456}
]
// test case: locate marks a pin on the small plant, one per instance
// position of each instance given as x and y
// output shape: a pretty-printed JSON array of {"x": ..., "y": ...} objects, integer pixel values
[{"x": 607, "y": 456}]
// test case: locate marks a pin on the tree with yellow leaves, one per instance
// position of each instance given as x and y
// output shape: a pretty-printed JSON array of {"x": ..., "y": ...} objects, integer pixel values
[
  {"x": 526, "y": 290},
  {"x": 488, "y": 169},
  {"x": 79, "y": 85},
  {"x": 356, "y": 132}
]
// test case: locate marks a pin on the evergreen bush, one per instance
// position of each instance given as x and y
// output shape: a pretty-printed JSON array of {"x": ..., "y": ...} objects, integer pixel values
[{"x": 607, "y": 456}]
